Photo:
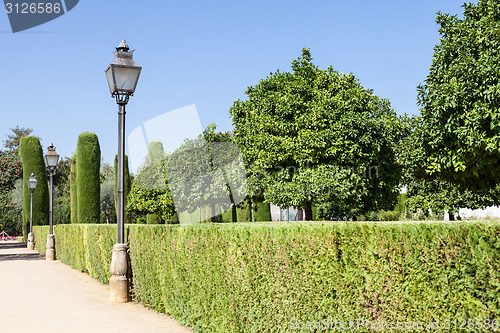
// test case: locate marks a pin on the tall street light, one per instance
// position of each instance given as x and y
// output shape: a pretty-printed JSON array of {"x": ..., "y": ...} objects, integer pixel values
[
  {"x": 122, "y": 75},
  {"x": 31, "y": 186},
  {"x": 51, "y": 160}
]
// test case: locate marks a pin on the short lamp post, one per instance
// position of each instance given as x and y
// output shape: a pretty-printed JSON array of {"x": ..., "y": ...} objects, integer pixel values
[
  {"x": 51, "y": 160},
  {"x": 122, "y": 76},
  {"x": 31, "y": 186}
]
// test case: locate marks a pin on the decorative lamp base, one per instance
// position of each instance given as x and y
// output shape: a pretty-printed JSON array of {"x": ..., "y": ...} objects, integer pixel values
[
  {"x": 31, "y": 241},
  {"x": 119, "y": 269},
  {"x": 50, "y": 253}
]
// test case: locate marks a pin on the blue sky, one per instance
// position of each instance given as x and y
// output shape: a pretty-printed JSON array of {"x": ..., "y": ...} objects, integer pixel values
[{"x": 204, "y": 53}]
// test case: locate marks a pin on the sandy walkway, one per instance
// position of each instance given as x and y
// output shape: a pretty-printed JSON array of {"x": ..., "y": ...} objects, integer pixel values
[{"x": 50, "y": 297}]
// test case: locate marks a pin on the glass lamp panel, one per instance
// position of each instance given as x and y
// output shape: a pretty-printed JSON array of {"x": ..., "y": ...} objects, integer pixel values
[
  {"x": 51, "y": 160},
  {"x": 126, "y": 78},
  {"x": 109, "y": 77},
  {"x": 32, "y": 182}
]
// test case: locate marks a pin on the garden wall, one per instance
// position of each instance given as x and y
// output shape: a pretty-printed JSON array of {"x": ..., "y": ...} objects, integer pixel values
[{"x": 275, "y": 276}]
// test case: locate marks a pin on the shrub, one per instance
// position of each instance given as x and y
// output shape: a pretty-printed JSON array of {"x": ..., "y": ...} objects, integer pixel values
[
  {"x": 88, "y": 185},
  {"x": 261, "y": 211},
  {"x": 33, "y": 162},
  {"x": 258, "y": 277},
  {"x": 389, "y": 215},
  {"x": 153, "y": 219}
]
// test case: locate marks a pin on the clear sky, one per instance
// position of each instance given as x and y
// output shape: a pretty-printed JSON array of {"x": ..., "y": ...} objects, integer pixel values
[{"x": 204, "y": 53}]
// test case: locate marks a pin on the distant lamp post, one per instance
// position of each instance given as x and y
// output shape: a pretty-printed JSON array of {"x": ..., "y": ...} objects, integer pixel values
[
  {"x": 51, "y": 160},
  {"x": 31, "y": 186},
  {"x": 122, "y": 76}
]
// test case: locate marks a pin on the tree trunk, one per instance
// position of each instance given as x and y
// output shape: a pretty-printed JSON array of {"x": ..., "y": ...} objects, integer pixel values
[
  {"x": 234, "y": 213},
  {"x": 213, "y": 218},
  {"x": 308, "y": 212},
  {"x": 300, "y": 215},
  {"x": 451, "y": 216}
]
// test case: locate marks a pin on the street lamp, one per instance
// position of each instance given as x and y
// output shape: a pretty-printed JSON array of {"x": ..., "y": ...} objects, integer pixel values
[
  {"x": 31, "y": 186},
  {"x": 122, "y": 75},
  {"x": 51, "y": 160}
]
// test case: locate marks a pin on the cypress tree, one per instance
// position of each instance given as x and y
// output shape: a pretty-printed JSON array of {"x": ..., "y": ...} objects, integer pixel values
[
  {"x": 73, "y": 192},
  {"x": 88, "y": 183},
  {"x": 127, "y": 186},
  {"x": 32, "y": 160}
]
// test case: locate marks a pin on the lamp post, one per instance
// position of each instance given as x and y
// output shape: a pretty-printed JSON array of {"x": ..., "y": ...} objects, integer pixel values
[
  {"x": 51, "y": 160},
  {"x": 122, "y": 76},
  {"x": 32, "y": 186}
]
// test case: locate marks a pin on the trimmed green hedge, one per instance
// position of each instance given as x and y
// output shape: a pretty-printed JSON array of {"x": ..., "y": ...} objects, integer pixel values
[
  {"x": 258, "y": 277},
  {"x": 41, "y": 233},
  {"x": 86, "y": 247}
]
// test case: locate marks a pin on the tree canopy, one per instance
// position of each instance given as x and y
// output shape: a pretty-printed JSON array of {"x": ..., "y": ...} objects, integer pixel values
[
  {"x": 314, "y": 136},
  {"x": 459, "y": 135}
]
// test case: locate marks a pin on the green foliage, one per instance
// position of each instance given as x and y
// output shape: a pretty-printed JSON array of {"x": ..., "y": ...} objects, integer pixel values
[
  {"x": 151, "y": 201},
  {"x": 41, "y": 233},
  {"x": 62, "y": 194},
  {"x": 153, "y": 219},
  {"x": 10, "y": 215},
  {"x": 73, "y": 191},
  {"x": 11, "y": 169},
  {"x": 430, "y": 193},
  {"x": 156, "y": 151},
  {"x": 107, "y": 200},
  {"x": 88, "y": 162},
  {"x": 14, "y": 140},
  {"x": 32, "y": 159},
  {"x": 459, "y": 137},
  {"x": 316, "y": 137},
  {"x": 261, "y": 211},
  {"x": 257, "y": 277},
  {"x": 149, "y": 193},
  {"x": 85, "y": 247}
]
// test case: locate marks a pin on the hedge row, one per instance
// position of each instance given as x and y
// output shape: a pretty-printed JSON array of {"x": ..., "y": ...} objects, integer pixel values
[
  {"x": 86, "y": 247},
  {"x": 259, "y": 277}
]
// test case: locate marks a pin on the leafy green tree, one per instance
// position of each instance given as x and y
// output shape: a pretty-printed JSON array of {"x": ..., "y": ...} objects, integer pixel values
[
  {"x": 88, "y": 162},
  {"x": 107, "y": 199},
  {"x": 429, "y": 193},
  {"x": 11, "y": 169},
  {"x": 459, "y": 138},
  {"x": 14, "y": 140},
  {"x": 151, "y": 201},
  {"x": 317, "y": 137},
  {"x": 149, "y": 193},
  {"x": 31, "y": 154}
]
